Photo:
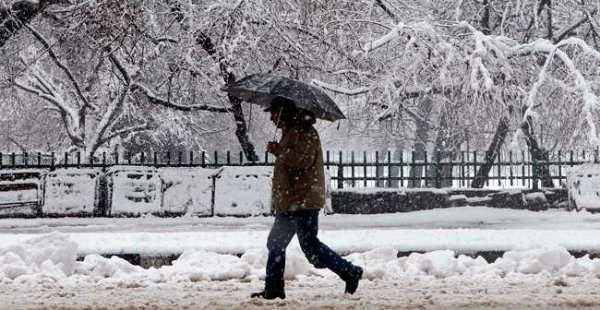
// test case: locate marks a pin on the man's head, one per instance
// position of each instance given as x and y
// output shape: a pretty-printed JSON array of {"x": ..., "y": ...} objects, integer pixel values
[{"x": 283, "y": 111}]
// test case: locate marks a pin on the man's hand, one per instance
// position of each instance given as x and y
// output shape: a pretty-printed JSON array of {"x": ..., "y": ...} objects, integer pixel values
[{"x": 273, "y": 147}]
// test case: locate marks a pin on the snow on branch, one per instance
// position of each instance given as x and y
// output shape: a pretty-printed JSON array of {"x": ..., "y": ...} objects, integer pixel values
[
  {"x": 390, "y": 36},
  {"x": 582, "y": 86},
  {"x": 40, "y": 87},
  {"x": 114, "y": 110},
  {"x": 128, "y": 130},
  {"x": 157, "y": 100},
  {"x": 341, "y": 90},
  {"x": 61, "y": 65}
]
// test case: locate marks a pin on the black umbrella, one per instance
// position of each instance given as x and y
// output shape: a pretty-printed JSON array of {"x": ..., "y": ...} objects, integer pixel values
[{"x": 261, "y": 89}]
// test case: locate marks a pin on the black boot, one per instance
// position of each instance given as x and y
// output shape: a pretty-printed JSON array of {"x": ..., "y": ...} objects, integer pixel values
[
  {"x": 273, "y": 289},
  {"x": 352, "y": 281}
]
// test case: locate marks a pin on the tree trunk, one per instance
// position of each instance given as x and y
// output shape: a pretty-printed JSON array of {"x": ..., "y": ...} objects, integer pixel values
[
  {"x": 422, "y": 135},
  {"x": 443, "y": 151},
  {"x": 492, "y": 152},
  {"x": 236, "y": 104},
  {"x": 540, "y": 171},
  {"x": 395, "y": 170}
]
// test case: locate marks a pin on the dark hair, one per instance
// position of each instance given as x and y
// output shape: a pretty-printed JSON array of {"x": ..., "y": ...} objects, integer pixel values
[
  {"x": 290, "y": 115},
  {"x": 288, "y": 110}
]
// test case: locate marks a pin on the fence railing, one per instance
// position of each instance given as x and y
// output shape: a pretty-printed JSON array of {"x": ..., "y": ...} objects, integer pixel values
[{"x": 346, "y": 169}]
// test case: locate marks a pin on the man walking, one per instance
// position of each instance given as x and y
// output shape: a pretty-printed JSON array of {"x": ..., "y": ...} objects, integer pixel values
[{"x": 298, "y": 194}]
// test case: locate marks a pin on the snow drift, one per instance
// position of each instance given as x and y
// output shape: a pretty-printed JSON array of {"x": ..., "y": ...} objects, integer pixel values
[{"x": 52, "y": 258}]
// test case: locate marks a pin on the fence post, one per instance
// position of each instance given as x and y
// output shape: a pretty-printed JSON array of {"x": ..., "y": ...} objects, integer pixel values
[
  {"x": 203, "y": 159},
  {"x": 571, "y": 159},
  {"x": 389, "y": 166},
  {"x": 39, "y": 159},
  {"x": 510, "y": 167},
  {"x": 168, "y": 158},
  {"x": 402, "y": 168},
  {"x": 116, "y": 158},
  {"x": 425, "y": 167},
  {"x": 462, "y": 168},
  {"x": 66, "y": 159},
  {"x": 78, "y": 155},
  {"x": 1, "y": 160},
  {"x": 438, "y": 169},
  {"x": 499, "y": 170},
  {"x": 549, "y": 176},
  {"x": 534, "y": 169},
  {"x": 228, "y": 154},
  {"x": 376, "y": 168},
  {"x": 25, "y": 160},
  {"x": 212, "y": 195},
  {"x": 559, "y": 166},
  {"x": 103, "y": 159},
  {"x": 52, "y": 160},
  {"x": 474, "y": 164},
  {"x": 155, "y": 159},
  {"x": 365, "y": 170},
  {"x": 191, "y": 160},
  {"x": 340, "y": 172},
  {"x": 414, "y": 176},
  {"x": 13, "y": 160},
  {"x": 143, "y": 158},
  {"x": 352, "y": 174}
]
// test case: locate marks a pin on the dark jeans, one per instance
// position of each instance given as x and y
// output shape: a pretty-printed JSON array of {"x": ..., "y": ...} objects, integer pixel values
[{"x": 305, "y": 224}]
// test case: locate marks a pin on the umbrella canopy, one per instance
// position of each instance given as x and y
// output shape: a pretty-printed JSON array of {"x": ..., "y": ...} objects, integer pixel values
[{"x": 261, "y": 89}]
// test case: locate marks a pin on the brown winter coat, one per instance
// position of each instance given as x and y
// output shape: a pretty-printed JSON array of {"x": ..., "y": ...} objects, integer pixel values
[{"x": 299, "y": 174}]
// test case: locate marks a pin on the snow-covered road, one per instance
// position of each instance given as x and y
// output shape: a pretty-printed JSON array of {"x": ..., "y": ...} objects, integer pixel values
[
  {"x": 451, "y": 218},
  {"x": 39, "y": 270},
  {"x": 545, "y": 292}
]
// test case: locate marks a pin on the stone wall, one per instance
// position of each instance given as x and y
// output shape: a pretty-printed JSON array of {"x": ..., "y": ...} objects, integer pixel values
[{"x": 372, "y": 201}]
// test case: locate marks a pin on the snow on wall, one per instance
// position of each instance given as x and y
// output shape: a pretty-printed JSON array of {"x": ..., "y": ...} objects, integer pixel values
[
  {"x": 187, "y": 190},
  {"x": 21, "y": 191},
  {"x": 583, "y": 182},
  {"x": 134, "y": 190},
  {"x": 244, "y": 191},
  {"x": 71, "y": 191}
]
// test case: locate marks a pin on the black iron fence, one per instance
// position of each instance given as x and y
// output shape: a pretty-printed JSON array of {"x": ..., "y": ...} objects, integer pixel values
[{"x": 345, "y": 169}]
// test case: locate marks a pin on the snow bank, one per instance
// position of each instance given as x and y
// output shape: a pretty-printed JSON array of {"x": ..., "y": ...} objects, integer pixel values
[
  {"x": 50, "y": 255},
  {"x": 53, "y": 258}
]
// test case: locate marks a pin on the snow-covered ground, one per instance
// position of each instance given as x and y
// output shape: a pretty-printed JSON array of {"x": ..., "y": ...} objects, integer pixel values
[{"x": 39, "y": 270}]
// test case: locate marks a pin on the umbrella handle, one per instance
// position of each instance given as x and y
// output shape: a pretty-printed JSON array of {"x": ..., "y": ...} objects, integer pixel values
[{"x": 277, "y": 124}]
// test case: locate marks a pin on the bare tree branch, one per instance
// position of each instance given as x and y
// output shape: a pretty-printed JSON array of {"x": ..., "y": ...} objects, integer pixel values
[
  {"x": 565, "y": 32},
  {"x": 157, "y": 100},
  {"x": 387, "y": 10}
]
